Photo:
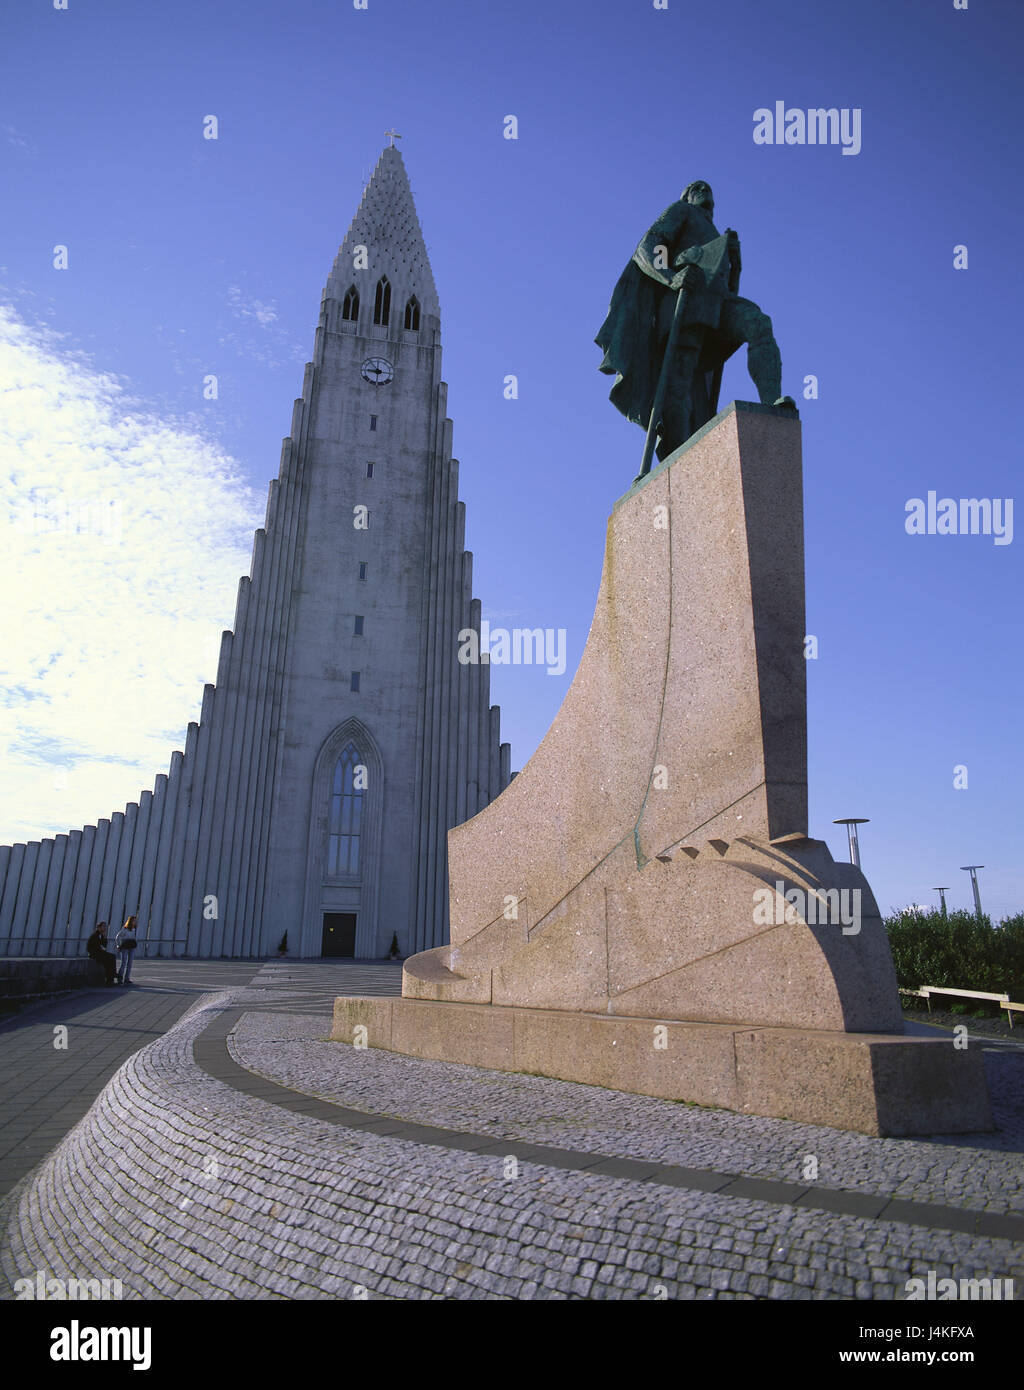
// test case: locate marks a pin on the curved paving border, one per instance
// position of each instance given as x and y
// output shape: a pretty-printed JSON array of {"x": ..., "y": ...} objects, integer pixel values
[
  {"x": 223, "y": 1194},
  {"x": 980, "y": 1173}
]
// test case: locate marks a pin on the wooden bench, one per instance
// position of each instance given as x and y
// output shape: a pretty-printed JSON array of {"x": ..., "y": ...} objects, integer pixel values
[{"x": 1003, "y": 1000}]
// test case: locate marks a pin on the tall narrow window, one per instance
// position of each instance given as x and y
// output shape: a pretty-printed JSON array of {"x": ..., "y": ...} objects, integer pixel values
[
  {"x": 362, "y": 569},
  {"x": 359, "y": 626},
  {"x": 412, "y": 315},
  {"x": 382, "y": 302},
  {"x": 373, "y": 422},
  {"x": 354, "y": 686},
  {"x": 369, "y": 470},
  {"x": 350, "y": 304},
  {"x": 346, "y": 814}
]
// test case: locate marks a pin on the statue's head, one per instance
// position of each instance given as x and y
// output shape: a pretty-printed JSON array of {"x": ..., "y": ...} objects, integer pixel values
[{"x": 700, "y": 194}]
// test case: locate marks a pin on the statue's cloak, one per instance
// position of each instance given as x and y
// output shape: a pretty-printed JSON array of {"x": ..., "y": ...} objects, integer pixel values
[{"x": 630, "y": 336}]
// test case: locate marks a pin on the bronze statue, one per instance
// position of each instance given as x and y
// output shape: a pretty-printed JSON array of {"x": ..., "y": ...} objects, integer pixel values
[{"x": 675, "y": 319}]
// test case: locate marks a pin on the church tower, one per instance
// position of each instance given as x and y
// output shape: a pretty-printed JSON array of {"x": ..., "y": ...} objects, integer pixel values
[{"x": 343, "y": 737}]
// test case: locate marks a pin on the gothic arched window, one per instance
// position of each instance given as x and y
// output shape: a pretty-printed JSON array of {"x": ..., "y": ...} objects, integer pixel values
[
  {"x": 382, "y": 302},
  {"x": 412, "y": 315},
  {"x": 350, "y": 304},
  {"x": 346, "y": 814}
]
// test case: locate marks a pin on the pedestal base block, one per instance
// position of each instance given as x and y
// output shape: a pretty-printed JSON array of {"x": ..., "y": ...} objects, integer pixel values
[{"x": 874, "y": 1083}]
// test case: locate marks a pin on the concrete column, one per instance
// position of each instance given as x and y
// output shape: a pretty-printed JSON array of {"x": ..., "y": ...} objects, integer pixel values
[
  {"x": 134, "y": 885},
  {"x": 62, "y": 911},
  {"x": 253, "y": 677},
  {"x": 436, "y": 686},
  {"x": 190, "y": 894},
  {"x": 485, "y": 735},
  {"x": 12, "y": 880},
  {"x": 29, "y": 925},
  {"x": 21, "y": 905},
  {"x": 473, "y": 799},
  {"x": 49, "y": 925},
  {"x": 287, "y": 519},
  {"x": 92, "y": 891},
  {"x": 262, "y": 567},
  {"x": 147, "y": 929},
  {"x": 162, "y": 929},
  {"x": 278, "y": 524},
  {"x": 424, "y": 884},
  {"x": 270, "y": 620},
  {"x": 270, "y": 605},
  {"x": 5, "y": 862},
  {"x": 124, "y": 859},
  {"x": 177, "y": 927},
  {"x": 495, "y": 751},
  {"x": 462, "y": 685},
  {"x": 506, "y": 766},
  {"x": 107, "y": 906},
  {"x": 226, "y": 824},
  {"x": 206, "y": 863},
  {"x": 77, "y": 928}
]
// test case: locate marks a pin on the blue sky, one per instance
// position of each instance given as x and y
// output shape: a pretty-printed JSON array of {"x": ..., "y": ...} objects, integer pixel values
[{"x": 189, "y": 257}]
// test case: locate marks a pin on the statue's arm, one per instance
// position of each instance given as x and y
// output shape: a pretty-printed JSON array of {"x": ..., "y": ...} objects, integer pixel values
[{"x": 654, "y": 254}]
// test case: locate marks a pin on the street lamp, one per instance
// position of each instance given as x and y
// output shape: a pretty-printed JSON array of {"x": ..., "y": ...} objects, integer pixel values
[
  {"x": 972, "y": 869},
  {"x": 942, "y": 896},
  {"x": 851, "y": 823}
]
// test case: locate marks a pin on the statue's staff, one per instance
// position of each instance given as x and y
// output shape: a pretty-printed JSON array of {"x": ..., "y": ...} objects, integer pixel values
[{"x": 689, "y": 274}]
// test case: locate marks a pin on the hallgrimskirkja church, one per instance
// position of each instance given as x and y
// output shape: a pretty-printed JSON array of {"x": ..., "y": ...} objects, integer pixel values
[{"x": 343, "y": 737}]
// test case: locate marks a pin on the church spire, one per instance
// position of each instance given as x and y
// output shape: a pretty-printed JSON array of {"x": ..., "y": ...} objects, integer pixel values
[{"x": 386, "y": 224}]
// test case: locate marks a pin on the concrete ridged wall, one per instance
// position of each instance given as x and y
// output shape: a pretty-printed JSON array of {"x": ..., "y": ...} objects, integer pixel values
[
  {"x": 464, "y": 765},
  {"x": 203, "y": 832}
]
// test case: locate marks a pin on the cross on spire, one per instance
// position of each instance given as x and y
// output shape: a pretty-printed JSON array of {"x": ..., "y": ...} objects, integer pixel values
[{"x": 393, "y": 135}]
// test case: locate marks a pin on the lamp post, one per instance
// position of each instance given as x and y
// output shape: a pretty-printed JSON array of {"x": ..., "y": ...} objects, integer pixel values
[
  {"x": 972, "y": 869},
  {"x": 942, "y": 896},
  {"x": 851, "y": 823}
]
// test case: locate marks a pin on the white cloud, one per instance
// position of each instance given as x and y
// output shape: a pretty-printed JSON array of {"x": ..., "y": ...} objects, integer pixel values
[{"x": 124, "y": 536}]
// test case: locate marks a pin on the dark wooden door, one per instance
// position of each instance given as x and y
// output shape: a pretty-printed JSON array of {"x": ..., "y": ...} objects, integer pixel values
[{"x": 339, "y": 934}]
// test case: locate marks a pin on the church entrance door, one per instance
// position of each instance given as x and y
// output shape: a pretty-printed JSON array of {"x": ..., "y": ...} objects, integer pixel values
[{"x": 339, "y": 934}]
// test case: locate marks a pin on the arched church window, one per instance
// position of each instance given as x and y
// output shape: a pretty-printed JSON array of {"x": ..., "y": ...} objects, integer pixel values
[
  {"x": 382, "y": 302},
  {"x": 412, "y": 314},
  {"x": 346, "y": 814},
  {"x": 350, "y": 304}
]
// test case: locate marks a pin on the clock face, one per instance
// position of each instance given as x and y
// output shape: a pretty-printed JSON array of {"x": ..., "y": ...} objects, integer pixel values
[{"x": 378, "y": 370}]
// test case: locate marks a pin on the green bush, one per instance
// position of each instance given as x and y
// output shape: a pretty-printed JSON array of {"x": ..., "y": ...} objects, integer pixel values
[{"x": 961, "y": 951}]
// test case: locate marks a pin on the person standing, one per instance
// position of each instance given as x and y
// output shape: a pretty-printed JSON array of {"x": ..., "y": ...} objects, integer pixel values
[
  {"x": 126, "y": 943},
  {"x": 96, "y": 949}
]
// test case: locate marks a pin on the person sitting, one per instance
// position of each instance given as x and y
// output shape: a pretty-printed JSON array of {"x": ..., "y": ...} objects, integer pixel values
[{"x": 96, "y": 950}]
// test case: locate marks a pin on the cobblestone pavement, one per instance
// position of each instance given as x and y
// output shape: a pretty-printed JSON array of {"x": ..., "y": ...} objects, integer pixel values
[
  {"x": 947, "y": 1170},
  {"x": 198, "y": 1189},
  {"x": 46, "y": 1088}
]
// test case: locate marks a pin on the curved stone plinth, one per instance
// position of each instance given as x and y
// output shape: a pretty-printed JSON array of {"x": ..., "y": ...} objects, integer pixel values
[{"x": 640, "y": 863}]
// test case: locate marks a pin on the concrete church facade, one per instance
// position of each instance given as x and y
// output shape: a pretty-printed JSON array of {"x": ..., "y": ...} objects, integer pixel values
[{"x": 343, "y": 737}]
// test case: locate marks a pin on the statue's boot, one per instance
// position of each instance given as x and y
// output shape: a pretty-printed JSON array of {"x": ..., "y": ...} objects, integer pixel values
[{"x": 764, "y": 363}]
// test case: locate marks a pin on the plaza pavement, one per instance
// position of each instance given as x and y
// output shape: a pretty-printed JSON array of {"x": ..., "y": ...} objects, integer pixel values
[{"x": 242, "y": 1155}]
